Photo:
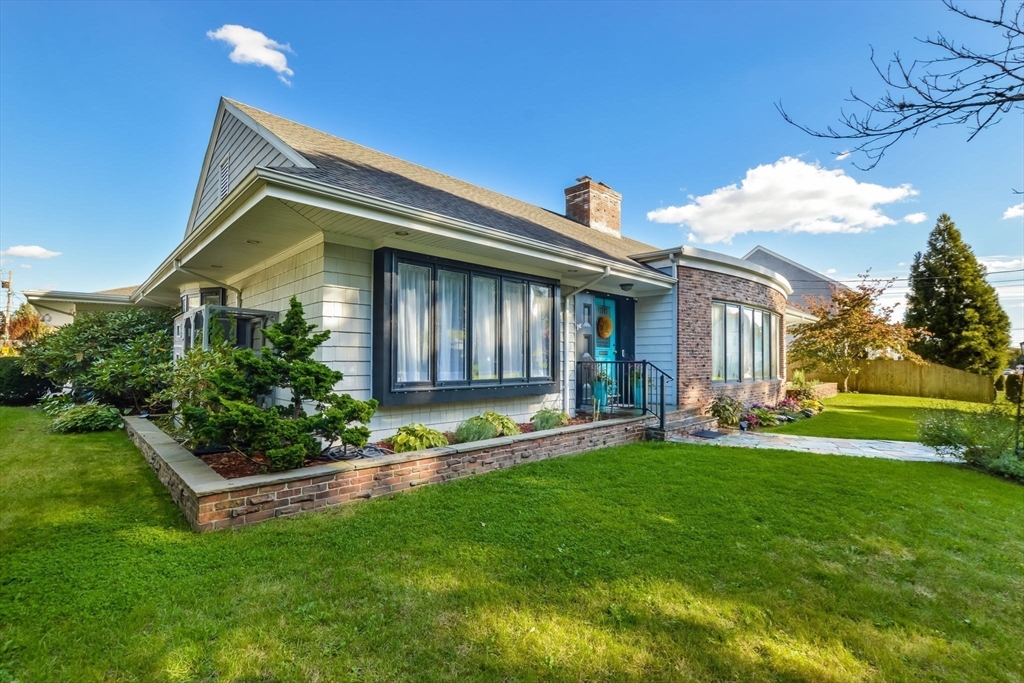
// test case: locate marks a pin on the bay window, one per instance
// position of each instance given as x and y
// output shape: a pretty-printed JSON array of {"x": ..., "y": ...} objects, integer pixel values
[
  {"x": 448, "y": 331},
  {"x": 744, "y": 343}
]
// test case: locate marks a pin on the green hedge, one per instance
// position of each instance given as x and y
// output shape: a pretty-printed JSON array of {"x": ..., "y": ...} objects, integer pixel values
[{"x": 17, "y": 388}]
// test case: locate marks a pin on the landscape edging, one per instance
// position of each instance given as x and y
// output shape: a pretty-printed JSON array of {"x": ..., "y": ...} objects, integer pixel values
[{"x": 210, "y": 502}]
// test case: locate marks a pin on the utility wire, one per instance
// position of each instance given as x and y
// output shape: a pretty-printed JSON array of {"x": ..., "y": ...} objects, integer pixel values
[{"x": 934, "y": 277}]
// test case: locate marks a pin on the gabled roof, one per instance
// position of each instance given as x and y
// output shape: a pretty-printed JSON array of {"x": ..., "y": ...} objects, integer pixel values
[
  {"x": 809, "y": 271},
  {"x": 349, "y": 166}
]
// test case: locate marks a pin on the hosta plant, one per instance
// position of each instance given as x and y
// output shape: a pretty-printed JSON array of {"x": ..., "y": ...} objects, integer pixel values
[
  {"x": 417, "y": 437},
  {"x": 88, "y": 417},
  {"x": 505, "y": 425}
]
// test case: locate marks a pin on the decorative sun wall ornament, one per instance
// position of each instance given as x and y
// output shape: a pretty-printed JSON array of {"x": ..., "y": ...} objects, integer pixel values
[{"x": 604, "y": 327}]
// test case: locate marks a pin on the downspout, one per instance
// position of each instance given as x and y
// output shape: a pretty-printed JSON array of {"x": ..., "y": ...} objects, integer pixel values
[
  {"x": 565, "y": 334},
  {"x": 236, "y": 290}
]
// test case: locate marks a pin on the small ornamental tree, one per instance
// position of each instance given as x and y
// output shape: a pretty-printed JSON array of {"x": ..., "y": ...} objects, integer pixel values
[
  {"x": 848, "y": 329},
  {"x": 229, "y": 409}
]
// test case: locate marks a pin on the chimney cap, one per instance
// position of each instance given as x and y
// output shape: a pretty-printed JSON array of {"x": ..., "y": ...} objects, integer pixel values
[{"x": 583, "y": 179}]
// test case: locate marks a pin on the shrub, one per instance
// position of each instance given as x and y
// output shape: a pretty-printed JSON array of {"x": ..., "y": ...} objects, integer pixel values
[
  {"x": 1000, "y": 383},
  {"x": 547, "y": 418},
  {"x": 1014, "y": 384},
  {"x": 417, "y": 437},
  {"x": 55, "y": 404},
  {"x": 765, "y": 417},
  {"x": 117, "y": 357},
  {"x": 982, "y": 439},
  {"x": 799, "y": 380},
  {"x": 223, "y": 397},
  {"x": 17, "y": 388},
  {"x": 88, "y": 417},
  {"x": 812, "y": 404},
  {"x": 476, "y": 428},
  {"x": 505, "y": 425},
  {"x": 727, "y": 409}
]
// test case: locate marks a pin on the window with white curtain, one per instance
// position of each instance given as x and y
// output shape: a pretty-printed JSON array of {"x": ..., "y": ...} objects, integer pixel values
[
  {"x": 412, "y": 324},
  {"x": 744, "y": 343},
  {"x": 513, "y": 322},
  {"x": 540, "y": 331},
  {"x": 485, "y": 328},
  {"x": 732, "y": 345},
  {"x": 456, "y": 325},
  {"x": 451, "y": 326}
]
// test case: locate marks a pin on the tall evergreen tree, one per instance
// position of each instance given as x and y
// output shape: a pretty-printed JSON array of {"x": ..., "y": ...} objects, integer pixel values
[{"x": 950, "y": 299}]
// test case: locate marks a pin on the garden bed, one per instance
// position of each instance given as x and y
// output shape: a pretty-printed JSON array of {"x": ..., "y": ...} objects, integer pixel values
[{"x": 211, "y": 501}]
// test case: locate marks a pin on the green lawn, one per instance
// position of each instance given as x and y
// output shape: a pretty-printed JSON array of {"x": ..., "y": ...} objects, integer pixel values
[
  {"x": 649, "y": 562},
  {"x": 870, "y": 416}
]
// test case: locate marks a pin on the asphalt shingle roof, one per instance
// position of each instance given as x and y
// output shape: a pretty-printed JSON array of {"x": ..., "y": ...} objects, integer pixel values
[{"x": 353, "y": 167}]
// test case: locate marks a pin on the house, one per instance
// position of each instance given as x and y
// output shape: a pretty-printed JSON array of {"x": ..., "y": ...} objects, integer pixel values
[
  {"x": 807, "y": 284},
  {"x": 445, "y": 299},
  {"x": 58, "y": 308}
]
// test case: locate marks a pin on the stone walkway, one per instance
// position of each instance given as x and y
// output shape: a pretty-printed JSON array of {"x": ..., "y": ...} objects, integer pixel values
[{"x": 868, "y": 448}]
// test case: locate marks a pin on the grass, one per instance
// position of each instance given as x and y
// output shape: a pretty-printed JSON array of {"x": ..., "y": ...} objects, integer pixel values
[
  {"x": 870, "y": 416},
  {"x": 648, "y": 562}
]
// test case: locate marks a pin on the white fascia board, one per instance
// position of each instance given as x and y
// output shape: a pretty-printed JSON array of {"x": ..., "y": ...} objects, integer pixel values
[
  {"x": 797, "y": 315},
  {"x": 279, "y": 144},
  {"x": 288, "y": 187},
  {"x": 713, "y": 261},
  {"x": 76, "y": 297}
]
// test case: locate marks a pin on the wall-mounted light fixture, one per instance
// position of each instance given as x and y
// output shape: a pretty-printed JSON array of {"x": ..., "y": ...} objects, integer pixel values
[{"x": 626, "y": 287}]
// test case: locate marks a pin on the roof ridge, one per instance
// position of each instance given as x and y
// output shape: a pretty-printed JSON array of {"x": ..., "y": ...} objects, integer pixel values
[{"x": 421, "y": 167}]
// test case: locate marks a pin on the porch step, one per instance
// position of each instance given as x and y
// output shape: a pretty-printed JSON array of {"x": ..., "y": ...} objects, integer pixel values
[{"x": 693, "y": 422}]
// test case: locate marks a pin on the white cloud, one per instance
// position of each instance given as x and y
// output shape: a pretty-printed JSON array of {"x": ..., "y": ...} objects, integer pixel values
[
  {"x": 830, "y": 271},
  {"x": 252, "y": 47},
  {"x": 29, "y": 252},
  {"x": 787, "y": 196},
  {"x": 915, "y": 218},
  {"x": 1015, "y": 211},
  {"x": 997, "y": 263},
  {"x": 901, "y": 263},
  {"x": 26, "y": 266},
  {"x": 842, "y": 155}
]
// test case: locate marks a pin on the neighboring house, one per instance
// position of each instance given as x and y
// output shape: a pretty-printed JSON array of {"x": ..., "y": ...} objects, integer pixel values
[
  {"x": 807, "y": 284},
  {"x": 60, "y": 308},
  {"x": 445, "y": 299}
]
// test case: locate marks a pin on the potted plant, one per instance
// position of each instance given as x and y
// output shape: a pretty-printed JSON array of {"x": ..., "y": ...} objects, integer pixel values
[{"x": 599, "y": 389}]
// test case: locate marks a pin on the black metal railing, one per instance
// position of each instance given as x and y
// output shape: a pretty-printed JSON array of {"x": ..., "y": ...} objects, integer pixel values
[{"x": 620, "y": 385}]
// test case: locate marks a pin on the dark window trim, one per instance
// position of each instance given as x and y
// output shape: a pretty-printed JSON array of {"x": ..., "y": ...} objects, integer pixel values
[
  {"x": 774, "y": 371},
  {"x": 390, "y": 393}
]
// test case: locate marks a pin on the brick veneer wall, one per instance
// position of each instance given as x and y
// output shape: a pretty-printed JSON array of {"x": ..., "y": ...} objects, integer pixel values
[
  {"x": 249, "y": 500},
  {"x": 697, "y": 289}
]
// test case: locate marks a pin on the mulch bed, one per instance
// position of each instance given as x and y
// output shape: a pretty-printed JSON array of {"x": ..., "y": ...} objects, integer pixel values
[{"x": 232, "y": 464}]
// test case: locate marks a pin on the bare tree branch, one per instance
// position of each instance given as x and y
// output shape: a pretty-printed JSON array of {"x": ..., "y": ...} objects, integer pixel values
[{"x": 960, "y": 86}]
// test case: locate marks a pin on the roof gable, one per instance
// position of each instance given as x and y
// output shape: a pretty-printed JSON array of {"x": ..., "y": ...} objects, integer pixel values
[
  {"x": 805, "y": 269},
  {"x": 237, "y": 145}
]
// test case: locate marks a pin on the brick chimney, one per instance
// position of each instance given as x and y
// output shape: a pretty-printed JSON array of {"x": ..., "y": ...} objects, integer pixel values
[{"x": 594, "y": 204}]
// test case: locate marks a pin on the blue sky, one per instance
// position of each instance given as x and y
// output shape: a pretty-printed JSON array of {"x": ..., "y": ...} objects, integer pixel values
[{"x": 106, "y": 109}]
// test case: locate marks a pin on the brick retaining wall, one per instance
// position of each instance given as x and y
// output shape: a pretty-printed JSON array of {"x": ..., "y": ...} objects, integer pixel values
[{"x": 211, "y": 502}]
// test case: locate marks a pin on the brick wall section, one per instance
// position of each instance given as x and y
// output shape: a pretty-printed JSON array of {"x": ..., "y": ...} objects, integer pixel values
[
  {"x": 697, "y": 289},
  {"x": 181, "y": 493},
  {"x": 594, "y": 204},
  {"x": 360, "y": 480}
]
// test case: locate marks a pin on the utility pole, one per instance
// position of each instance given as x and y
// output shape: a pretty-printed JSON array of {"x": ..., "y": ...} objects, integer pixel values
[{"x": 7, "y": 284}]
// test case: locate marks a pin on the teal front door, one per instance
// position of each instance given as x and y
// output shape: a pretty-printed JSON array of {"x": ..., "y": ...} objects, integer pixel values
[{"x": 605, "y": 343}]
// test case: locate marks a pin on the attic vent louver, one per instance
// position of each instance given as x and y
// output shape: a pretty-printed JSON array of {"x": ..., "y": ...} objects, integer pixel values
[{"x": 225, "y": 177}]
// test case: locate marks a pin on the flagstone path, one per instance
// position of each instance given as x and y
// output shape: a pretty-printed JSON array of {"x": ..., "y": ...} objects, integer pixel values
[{"x": 868, "y": 448}]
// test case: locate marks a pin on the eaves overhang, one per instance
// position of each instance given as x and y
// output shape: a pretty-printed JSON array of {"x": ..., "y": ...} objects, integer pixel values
[
  {"x": 704, "y": 259},
  {"x": 262, "y": 183}
]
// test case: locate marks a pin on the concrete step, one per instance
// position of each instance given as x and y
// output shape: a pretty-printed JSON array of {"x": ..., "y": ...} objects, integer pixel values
[{"x": 685, "y": 425}]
